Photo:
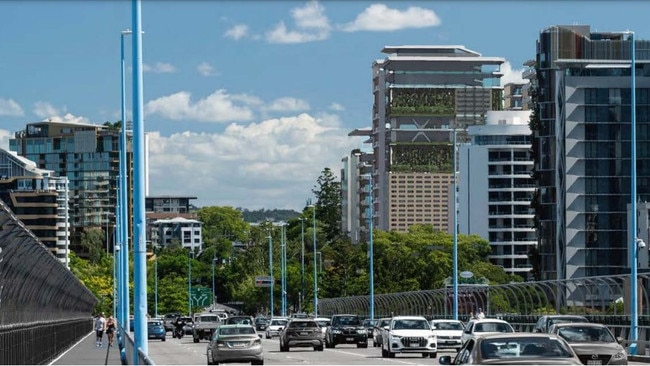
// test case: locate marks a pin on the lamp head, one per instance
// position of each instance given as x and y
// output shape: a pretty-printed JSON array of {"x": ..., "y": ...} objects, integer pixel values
[{"x": 640, "y": 244}]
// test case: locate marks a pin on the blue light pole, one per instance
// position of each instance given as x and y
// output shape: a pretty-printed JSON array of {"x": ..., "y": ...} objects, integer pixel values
[
  {"x": 271, "y": 272},
  {"x": 315, "y": 274},
  {"x": 283, "y": 263},
  {"x": 189, "y": 282},
  {"x": 302, "y": 261},
  {"x": 634, "y": 332},
  {"x": 139, "y": 219},
  {"x": 123, "y": 287},
  {"x": 372, "y": 267},
  {"x": 455, "y": 231}
]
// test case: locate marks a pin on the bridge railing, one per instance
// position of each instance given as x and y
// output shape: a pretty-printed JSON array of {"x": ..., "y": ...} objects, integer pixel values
[
  {"x": 603, "y": 299},
  {"x": 44, "y": 308}
]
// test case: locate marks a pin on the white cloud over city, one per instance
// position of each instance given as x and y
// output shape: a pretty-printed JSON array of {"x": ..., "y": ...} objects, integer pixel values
[
  {"x": 510, "y": 74},
  {"x": 379, "y": 17},
  {"x": 310, "y": 22},
  {"x": 205, "y": 69},
  {"x": 9, "y": 107},
  {"x": 237, "y": 32},
  {"x": 273, "y": 162}
]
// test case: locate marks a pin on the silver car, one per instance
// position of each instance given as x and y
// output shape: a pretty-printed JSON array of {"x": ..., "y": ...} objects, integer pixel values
[
  {"x": 593, "y": 343},
  {"x": 235, "y": 343}
]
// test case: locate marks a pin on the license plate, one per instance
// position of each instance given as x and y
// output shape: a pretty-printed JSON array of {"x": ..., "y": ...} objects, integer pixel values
[
  {"x": 594, "y": 362},
  {"x": 238, "y": 344},
  {"x": 349, "y": 339}
]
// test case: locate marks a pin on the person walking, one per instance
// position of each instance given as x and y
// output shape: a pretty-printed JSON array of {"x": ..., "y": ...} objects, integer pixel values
[
  {"x": 110, "y": 330},
  {"x": 100, "y": 326}
]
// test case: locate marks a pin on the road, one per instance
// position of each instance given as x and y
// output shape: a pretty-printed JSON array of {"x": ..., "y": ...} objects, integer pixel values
[{"x": 185, "y": 352}]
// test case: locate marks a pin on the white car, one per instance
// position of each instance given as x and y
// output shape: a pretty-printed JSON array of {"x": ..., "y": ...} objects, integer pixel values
[
  {"x": 448, "y": 333},
  {"x": 485, "y": 326},
  {"x": 409, "y": 334},
  {"x": 323, "y": 323},
  {"x": 275, "y": 326}
]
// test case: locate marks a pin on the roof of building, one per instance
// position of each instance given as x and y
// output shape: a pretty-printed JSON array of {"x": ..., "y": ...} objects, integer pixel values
[
  {"x": 176, "y": 220},
  {"x": 169, "y": 215}
]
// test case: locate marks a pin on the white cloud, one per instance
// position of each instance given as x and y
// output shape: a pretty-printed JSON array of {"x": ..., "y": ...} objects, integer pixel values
[
  {"x": 311, "y": 25},
  {"x": 205, "y": 69},
  {"x": 237, "y": 32},
  {"x": 9, "y": 107},
  {"x": 288, "y": 104},
  {"x": 159, "y": 68},
  {"x": 4, "y": 139},
  {"x": 337, "y": 107},
  {"x": 216, "y": 107},
  {"x": 44, "y": 110},
  {"x": 379, "y": 17},
  {"x": 68, "y": 117},
  {"x": 273, "y": 163},
  {"x": 510, "y": 75}
]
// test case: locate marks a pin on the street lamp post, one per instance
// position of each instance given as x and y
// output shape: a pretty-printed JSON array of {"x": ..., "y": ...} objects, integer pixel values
[
  {"x": 455, "y": 231},
  {"x": 633, "y": 227},
  {"x": 214, "y": 296},
  {"x": 189, "y": 282},
  {"x": 271, "y": 273},
  {"x": 283, "y": 263},
  {"x": 320, "y": 262},
  {"x": 315, "y": 275},
  {"x": 372, "y": 267},
  {"x": 302, "y": 260},
  {"x": 155, "y": 290}
]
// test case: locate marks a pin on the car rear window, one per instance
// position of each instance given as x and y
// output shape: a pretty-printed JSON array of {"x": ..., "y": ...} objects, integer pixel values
[
  {"x": 303, "y": 325},
  {"x": 346, "y": 320},
  {"x": 236, "y": 330}
]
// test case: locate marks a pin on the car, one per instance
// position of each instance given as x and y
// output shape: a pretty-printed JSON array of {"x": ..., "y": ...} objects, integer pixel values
[
  {"x": 545, "y": 322},
  {"x": 380, "y": 328},
  {"x": 323, "y": 323},
  {"x": 485, "y": 326},
  {"x": 301, "y": 332},
  {"x": 448, "y": 333},
  {"x": 369, "y": 324},
  {"x": 168, "y": 321},
  {"x": 261, "y": 323},
  {"x": 346, "y": 329},
  {"x": 235, "y": 343},
  {"x": 275, "y": 326},
  {"x": 593, "y": 343},
  {"x": 240, "y": 319},
  {"x": 409, "y": 334},
  {"x": 521, "y": 348},
  {"x": 188, "y": 328},
  {"x": 156, "y": 330}
]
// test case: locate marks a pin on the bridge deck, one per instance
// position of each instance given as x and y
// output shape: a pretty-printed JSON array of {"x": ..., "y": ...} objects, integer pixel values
[{"x": 85, "y": 352}]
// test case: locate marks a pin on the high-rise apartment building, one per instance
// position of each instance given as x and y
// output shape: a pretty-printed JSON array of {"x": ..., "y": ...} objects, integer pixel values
[
  {"x": 38, "y": 198},
  {"x": 421, "y": 94},
  {"x": 88, "y": 155},
  {"x": 163, "y": 209},
  {"x": 582, "y": 148},
  {"x": 355, "y": 195},
  {"x": 496, "y": 188},
  {"x": 516, "y": 96}
]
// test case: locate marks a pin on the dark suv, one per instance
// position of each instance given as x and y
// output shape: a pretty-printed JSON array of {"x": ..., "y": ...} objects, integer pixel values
[
  {"x": 301, "y": 333},
  {"x": 346, "y": 329},
  {"x": 545, "y": 322}
]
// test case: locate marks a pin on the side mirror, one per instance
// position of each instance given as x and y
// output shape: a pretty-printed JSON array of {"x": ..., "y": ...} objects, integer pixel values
[
  {"x": 387, "y": 327},
  {"x": 259, "y": 335},
  {"x": 620, "y": 340},
  {"x": 444, "y": 360}
]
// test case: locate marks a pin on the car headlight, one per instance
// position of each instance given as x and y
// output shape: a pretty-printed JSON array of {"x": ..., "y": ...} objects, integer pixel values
[
  {"x": 361, "y": 331},
  {"x": 432, "y": 336},
  {"x": 336, "y": 331},
  {"x": 221, "y": 344},
  {"x": 619, "y": 356},
  {"x": 257, "y": 342},
  {"x": 395, "y": 338}
]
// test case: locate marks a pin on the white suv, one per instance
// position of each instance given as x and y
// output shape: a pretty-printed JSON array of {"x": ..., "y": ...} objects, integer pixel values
[
  {"x": 448, "y": 333},
  {"x": 485, "y": 326},
  {"x": 409, "y": 334}
]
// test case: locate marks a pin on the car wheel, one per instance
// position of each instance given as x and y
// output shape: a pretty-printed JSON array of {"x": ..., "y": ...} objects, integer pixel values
[
  {"x": 257, "y": 362},
  {"x": 457, "y": 350},
  {"x": 425, "y": 355},
  {"x": 196, "y": 340},
  {"x": 164, "y": 339},
  {"x": 433, "y": 355},
  {"x": 383, "y": 352},
  {"x": 391, "y": 354},
  {"x": 320, "y": 348}
]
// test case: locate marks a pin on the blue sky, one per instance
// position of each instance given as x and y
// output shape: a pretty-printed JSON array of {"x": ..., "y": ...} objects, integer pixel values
[{"x": 247, "y": 101}]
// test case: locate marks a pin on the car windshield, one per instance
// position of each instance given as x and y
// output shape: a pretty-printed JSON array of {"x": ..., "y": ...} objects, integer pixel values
[
  {"x": 384, "y": 322},
  {"x": 493, "y": 327},
  {"x": 303, "y": 324},
  {"x": 346, "y": 320},
  {"x": 585, "y": 334},
  {"x": 552, "y": 321},
  {"x": 411, "y": 324},
  {"x": 236, "y": 330},
  {"x": 278, "y": 322},
  {"x": 368, "y": 323},
  {"x": 525, "y": 347},
  {"x": 239, "y": 320},
  {"x": 447, "y": 326}
]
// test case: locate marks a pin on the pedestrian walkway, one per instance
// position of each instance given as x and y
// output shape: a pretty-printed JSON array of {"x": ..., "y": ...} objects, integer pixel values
[{"x": 86, "y": 352}]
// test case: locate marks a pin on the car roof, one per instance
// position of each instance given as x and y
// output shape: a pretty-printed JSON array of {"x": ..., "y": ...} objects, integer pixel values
[
  {"x": 580, "y": 324},
  {"x": 446, "y": 321},
  {"x": 516, "y": 335},
  {"x": 238, "y": 325},
  {"x": 321, "y": 319},
  {"x": 412, "y": 317},
  {"x": 489, "y": 320},
  {"x": 564, "y": 316}
]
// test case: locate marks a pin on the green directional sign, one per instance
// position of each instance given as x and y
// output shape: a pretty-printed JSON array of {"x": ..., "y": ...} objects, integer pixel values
[{"x": 201, "y": 296}]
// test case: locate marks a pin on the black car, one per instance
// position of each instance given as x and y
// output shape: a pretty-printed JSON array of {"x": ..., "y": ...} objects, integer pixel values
[
  {"x": 369, "y": 324},
  {"x": 261, "y": 323},
  {"x": 346, "y": 329}
]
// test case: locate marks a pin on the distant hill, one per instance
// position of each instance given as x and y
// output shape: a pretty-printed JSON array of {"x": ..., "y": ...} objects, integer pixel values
[{"x": 264, "y": 214}]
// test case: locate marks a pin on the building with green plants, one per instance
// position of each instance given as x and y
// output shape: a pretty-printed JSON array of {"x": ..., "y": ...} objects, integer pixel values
[{"x": 421, "y": 94}]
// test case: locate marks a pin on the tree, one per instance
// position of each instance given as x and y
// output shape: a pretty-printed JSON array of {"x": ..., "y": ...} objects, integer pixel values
[{"x": 328, "y": 203}]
